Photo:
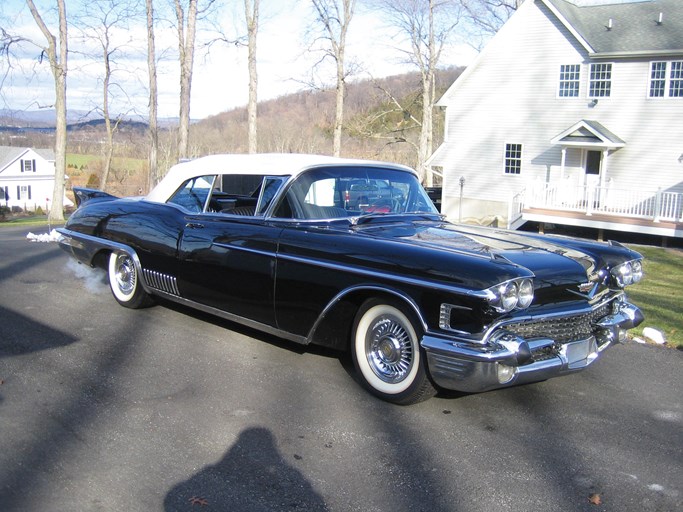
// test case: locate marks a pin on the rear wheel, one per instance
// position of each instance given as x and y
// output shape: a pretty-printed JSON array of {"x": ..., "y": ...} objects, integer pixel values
[
  {"x": 387, "y": 354},
  {"x": 124, "y": 282}
]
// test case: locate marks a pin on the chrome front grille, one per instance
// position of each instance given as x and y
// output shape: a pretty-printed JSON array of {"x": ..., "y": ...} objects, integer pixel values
[
  {"x": 561, "y": 329},
  {"x": 162, "y": 282}
]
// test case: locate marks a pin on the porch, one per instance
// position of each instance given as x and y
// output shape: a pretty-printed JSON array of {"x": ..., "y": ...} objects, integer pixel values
[{"x": 638, "y": 211}]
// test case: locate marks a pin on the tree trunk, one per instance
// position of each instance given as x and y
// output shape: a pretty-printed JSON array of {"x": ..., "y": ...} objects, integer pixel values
[
  {"x": 153, "y": 177},
  {"x": 251, "y": 8},
  {"x": 336, "y": 23},
  {"x": 58, "y": 66},
  {"x": 186, "y": 51},
  {"x": 109, "y": 149}
]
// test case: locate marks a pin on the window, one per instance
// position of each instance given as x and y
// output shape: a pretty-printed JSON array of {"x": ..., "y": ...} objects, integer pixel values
[
  {"x": 666, "y": 79},
  {"x": 570, "y": 76},
  {"x": 513, "y": 158},
  {"x": 194, "y": 193},
  {"x": 28, "y": 166},
  {"x": 600, "y": 81},
  {"x": 676, "y": 80},
  {"x": 23, "y": 192},
  {"x": 657, "y": 79}
]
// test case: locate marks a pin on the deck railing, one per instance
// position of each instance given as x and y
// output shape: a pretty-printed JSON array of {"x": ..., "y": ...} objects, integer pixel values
[{"x": 654, "y": 205}]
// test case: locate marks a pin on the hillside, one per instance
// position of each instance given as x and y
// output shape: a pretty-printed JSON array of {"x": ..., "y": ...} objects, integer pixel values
[{"x": 375, "y": 127}]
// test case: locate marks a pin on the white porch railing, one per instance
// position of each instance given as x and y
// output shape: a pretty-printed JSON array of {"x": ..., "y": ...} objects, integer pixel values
[{"x": 634, "y": 203}]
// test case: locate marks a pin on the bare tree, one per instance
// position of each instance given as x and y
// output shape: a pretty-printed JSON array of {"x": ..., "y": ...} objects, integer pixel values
[
  {"x": 427, "y": 25},
  {"x": 153, "y": 177},
  {"x": 58, "y": 65},
  {"x": 100, "y": 20},
  {"x": 186, "y": 40},
  {"x": 489, "y": 15},
  {"x": 335, "y": 17},
  {"x": 251, "y": 11}
]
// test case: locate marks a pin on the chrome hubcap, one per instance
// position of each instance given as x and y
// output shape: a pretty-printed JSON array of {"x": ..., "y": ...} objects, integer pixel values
[
  {"x": 389, "y": 350},
  {"x": 125, "y": 274}
]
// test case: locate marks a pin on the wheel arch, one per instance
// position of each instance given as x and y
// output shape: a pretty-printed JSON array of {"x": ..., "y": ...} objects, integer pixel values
[
  {"x": 335, "y": 324},
  {"x": 95, "y": 251}
]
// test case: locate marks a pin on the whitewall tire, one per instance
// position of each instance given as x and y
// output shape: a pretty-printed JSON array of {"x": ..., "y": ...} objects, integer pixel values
[
  {"x": 124, "y": 282},
  {"x": 387, "y": 355}
]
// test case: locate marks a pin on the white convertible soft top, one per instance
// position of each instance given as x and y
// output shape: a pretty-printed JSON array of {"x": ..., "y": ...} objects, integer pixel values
[{"x": 266, "y": 164}]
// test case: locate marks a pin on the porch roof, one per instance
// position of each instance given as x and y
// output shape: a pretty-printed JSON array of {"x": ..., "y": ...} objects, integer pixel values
[{"x": 588, "y": 134}]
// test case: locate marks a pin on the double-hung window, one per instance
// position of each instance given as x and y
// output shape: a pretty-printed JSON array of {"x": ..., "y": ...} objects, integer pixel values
[
  {"x": 570, "y": 78},
  {"x": 28, "y": 166},
  {"x": 600, "y": 84},
  {"x": 513, "y": 158},
  {"x": 676, "y": 80},
  {"x": 666, "y": 79}
]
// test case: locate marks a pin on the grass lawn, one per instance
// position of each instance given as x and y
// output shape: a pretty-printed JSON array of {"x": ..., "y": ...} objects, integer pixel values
[
  {"x": 659, "y": 293},
  {"x": 33, "y": 220}
]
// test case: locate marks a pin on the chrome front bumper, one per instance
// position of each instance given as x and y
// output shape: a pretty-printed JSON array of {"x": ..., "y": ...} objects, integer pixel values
[{"x": 507, "y": 359}]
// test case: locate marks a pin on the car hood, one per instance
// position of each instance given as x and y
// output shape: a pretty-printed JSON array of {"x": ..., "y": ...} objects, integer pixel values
[{"x": 553, "y": 260}]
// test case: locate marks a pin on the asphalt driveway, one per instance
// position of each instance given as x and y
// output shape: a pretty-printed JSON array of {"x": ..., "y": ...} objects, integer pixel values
[{"x": 165, "y": 409}]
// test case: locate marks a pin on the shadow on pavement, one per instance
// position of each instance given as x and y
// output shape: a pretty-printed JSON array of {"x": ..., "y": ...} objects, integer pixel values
[{"x": 251, "y": 476}]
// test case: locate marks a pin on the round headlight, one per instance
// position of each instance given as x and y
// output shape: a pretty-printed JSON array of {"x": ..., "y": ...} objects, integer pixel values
[
  {"x": 526, "y": 293},
  {"x": 509, "y": 296},
  {"x": 623, "y": 274},
  {"x": 637, "y": 270}
]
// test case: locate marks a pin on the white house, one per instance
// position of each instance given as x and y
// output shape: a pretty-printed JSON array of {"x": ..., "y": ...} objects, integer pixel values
[
  {"x": 572, "y": 114},
  {"x": 27, "y": 178}
]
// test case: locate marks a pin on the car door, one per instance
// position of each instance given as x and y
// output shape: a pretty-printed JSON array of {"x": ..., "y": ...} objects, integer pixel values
[{"x": 227, "y": 262}]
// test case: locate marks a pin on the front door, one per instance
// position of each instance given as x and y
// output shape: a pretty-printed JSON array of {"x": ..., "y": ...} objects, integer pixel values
[
  {"x": 592, "y": 177},
  {"x": 593, "y": 164}
]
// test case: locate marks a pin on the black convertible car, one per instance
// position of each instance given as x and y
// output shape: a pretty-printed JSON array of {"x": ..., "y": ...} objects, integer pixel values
[{"x": 283, "y": 243}]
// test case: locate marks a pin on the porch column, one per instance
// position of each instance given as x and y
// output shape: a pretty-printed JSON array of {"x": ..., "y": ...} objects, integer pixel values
[
  {"x": 603, "y": 169},
  {"x": 564, "y": 159}
]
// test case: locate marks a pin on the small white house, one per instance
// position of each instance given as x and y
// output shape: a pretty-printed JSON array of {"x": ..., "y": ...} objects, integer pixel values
[
  {"x": 27, "y": 178},
  {"x": 573, "y": 115}
]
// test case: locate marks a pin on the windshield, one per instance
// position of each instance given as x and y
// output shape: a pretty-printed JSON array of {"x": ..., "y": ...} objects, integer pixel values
[{"x": 336, "y": 192}]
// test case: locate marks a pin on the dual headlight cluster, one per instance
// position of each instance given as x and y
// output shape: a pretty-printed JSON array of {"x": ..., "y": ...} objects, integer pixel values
[
  {"x": 627, "y": 273},
  {"x": 513, "y": 294}
]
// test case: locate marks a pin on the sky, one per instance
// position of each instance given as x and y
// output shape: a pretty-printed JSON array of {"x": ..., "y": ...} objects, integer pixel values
[{"x": 220, "y": 78}]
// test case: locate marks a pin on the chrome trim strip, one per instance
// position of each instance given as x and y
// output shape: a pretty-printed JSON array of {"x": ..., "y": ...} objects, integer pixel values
[
  {"x": 269, "y": 254},
  {"x": 163, "y": 282},
  {"x": 393, "y": 277}
]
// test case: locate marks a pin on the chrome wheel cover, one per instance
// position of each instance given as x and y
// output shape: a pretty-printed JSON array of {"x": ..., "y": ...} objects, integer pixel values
[
  {"x": 389, "y": 349},
  {"x": 126, "y": 277}
]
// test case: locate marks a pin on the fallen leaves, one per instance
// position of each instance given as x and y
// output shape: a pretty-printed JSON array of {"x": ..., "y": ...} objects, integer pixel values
[
  {"x": 595, "y": 499},
  {"x": 196, "y": 500}
]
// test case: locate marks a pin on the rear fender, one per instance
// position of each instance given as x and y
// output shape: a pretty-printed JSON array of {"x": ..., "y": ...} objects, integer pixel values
[{"x": 83, "y": 195}]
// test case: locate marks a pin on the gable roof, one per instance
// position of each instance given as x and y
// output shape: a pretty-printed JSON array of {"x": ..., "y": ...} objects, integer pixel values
[
  {"x": 635, "y": 28},
  {"x": 9, "y": 154},
  {"x": 587, "y": 133}
]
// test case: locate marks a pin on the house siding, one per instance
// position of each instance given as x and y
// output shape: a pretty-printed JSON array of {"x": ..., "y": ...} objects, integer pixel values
[
  {"x": 511, "y": 96},
  {"x": 38, "y": 185}
]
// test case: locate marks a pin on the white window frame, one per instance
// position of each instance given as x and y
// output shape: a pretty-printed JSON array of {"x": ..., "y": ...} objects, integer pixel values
[
  {"x": 24, "y": 193},
  {"x": 570, "y": 76},
  {"x": 604, "y": 90},
  {"x": 28, "y": 166},
  {"x": 671, "y": 77},
  {"x": 510, "y": 163}
]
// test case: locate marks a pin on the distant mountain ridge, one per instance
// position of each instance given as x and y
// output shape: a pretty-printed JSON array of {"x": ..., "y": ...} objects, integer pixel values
[{"x": 47, "y": 118}]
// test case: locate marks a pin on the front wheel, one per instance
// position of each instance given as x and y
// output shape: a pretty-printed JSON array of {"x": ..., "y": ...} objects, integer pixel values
[
  {"x": 387, "y": 355},
  {"x": 124, "y": 282}
]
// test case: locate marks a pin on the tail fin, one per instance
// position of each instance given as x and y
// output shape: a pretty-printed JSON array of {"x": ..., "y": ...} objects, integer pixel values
[{"x": 84, "y": 195}]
